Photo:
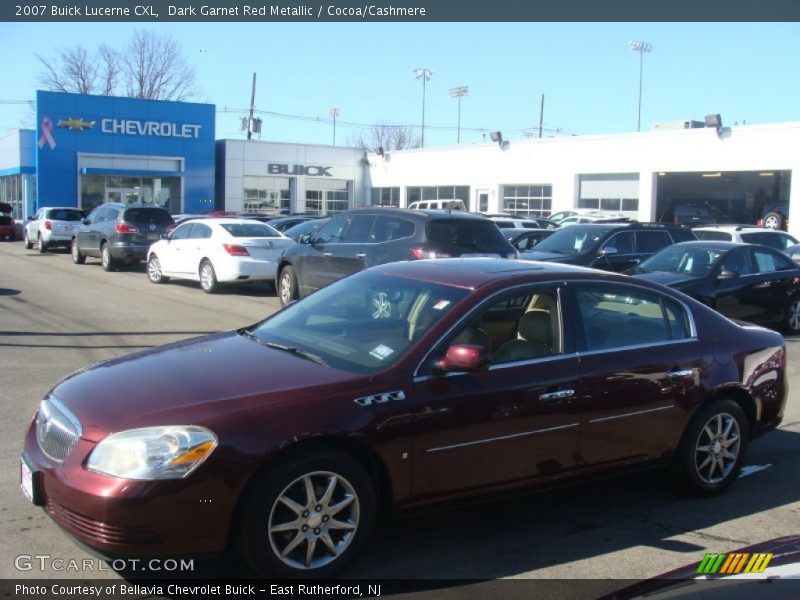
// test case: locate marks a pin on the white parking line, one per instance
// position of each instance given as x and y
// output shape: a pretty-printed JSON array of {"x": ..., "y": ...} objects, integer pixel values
[{"x": 750, "y": 469}]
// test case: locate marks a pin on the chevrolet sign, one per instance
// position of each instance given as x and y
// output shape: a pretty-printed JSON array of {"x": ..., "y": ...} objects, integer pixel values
[
  {"x": 75, "y": 124},
  {"x": 155, "y": 128}
]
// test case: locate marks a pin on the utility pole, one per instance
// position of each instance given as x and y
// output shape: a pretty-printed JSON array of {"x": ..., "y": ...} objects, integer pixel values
[
  {"x": 541, "y": 115},
  {"x": 425, "y": 74},
  {"x": 459, "y": 92},
  {"x": 334, "y": 112},
  {"x": 252, "y": 107}
]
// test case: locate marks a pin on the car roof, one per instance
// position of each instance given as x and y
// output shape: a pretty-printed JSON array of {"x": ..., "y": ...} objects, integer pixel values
[
  {"x": 715, "y": 244},
  {"x": 420, "y": 215},
  {"x": 734, "y": 227},
  {"x": 226, "y": 220},
  {"x": 472, "y": 273}
]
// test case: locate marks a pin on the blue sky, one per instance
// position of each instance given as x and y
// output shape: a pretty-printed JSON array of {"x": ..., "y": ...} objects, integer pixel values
[{"x": 589, "y": 75}]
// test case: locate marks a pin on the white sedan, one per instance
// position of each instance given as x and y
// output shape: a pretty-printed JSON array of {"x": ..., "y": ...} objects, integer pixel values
[
  {"x": 52, "y": 226},
  {"x": 213, "y": 251}
]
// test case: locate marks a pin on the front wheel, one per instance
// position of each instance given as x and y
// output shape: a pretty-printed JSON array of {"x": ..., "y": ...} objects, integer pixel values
[
  {"x": 308, "y": 517},
  {"x": 287, "y": 286},
  {"x": 208, "y": 278},
  {"x": 713, "y": 448},
  {"x": 77, "y": 257},
  {"x": 154, "y": 273}
]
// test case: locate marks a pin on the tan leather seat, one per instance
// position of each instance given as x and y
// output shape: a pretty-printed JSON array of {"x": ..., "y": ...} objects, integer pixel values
[{"x": 535, "y": 338}]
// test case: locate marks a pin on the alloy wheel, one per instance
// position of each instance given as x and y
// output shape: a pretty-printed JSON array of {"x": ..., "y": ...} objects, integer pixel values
[
  {"x": 793, "y": 317},
  {"x": 154, "y": 269},
  {"x": 286, "y": 287},
  {"x": 717, "y": 448},
  {"x": 207, "y": 276},
  {"x": 313, "y": 520}
]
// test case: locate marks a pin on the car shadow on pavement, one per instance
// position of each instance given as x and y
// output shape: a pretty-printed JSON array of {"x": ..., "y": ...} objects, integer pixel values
[{"x": 555, "y": 529}]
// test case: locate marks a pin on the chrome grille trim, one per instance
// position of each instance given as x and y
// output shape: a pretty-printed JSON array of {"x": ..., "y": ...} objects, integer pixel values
[{"x": 57, "y": 429}]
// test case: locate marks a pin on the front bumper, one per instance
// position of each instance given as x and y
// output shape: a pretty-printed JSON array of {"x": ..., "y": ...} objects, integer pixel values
[{"x": 125, "y": 518}]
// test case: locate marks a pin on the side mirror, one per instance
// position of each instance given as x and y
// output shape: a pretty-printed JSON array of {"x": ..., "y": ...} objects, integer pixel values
[
  {"x": 87, "y": 221},
  {"x": 464, "y": 357},
  {"x": 166, "y": 236},
  {"x": 608, "y": 251},
  {"x": 726, "y": 274}
]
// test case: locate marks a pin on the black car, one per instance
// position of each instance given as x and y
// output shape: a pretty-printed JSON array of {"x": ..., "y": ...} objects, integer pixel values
[
  {"x": 365, "y": 237},
  {"x": 608, "y": 246},
  {"x": 298, "y": 230},
  {"x": 119, "y": 233},
  {"x": 742, "y": 281},
  {"x": 526, "y": 239},
  {"x": 284, "y": 223}
]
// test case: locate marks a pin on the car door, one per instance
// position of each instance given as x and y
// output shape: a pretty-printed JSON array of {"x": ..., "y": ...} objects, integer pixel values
[
  {"x": 774, "y": 282},
  {"x": 735, "y": 292},
  {"x": 351, "y": 254},
  {"x": 32, "y": 226},
  {"x": 640, "y": 363},
  {"x": 618, "y": 253},
  {"x": 198, "y": 247},
  {"x": 313, "y": 266},
  {"x": 515, "y": 421},
  {"x": 649, "y": 242},
  {"x": 89, "y": 235},
  {"x": 174, "y": 250}
]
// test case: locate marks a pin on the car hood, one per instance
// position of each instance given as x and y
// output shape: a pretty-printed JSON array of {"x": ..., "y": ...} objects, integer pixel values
[
  {"x": 667, "y": 278},
  {"x": 193, "y": 382}
]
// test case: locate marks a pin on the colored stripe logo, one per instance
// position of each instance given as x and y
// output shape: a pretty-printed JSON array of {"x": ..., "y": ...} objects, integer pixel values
[{"x": 734, "y": 563}]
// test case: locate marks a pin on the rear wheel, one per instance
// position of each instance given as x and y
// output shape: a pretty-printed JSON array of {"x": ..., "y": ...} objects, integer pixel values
[
  {"x": 77, "y": 257},
  {"x": 791, "y": 318},
  {"x": 108, "y": 262},
  {"x": 287, "y": 285},
  {"x": 41, "y": 245},
  {"x": 713, "y": 448},
  {"x": 28, "y": 243},
  {"x": 308, "y": 517},
  {"x": 208, "y": 278},
  {"x": 154, "y": 273}
]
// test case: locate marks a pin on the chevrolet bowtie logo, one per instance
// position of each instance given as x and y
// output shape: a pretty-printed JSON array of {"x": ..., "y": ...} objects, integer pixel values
[{"x": 75, "y": 124}]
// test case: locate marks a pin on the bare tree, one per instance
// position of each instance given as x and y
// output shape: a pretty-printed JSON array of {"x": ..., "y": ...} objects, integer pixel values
[
  {"x": 387, "y": 136},
  {"x": 149, "y": 66},
  {"x": 154, "y": 68}
]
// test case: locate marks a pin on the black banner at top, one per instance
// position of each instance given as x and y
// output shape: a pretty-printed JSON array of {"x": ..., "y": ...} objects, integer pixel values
[{"x": 155, "y": 11}]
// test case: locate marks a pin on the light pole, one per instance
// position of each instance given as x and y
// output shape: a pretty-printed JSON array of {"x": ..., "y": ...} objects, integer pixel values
[
  {"x": 425, "y": 74},
  {"x": 459, "y": 92},
  {"x": 334, "y": 112},
  {"x": 641, "y": 48}
]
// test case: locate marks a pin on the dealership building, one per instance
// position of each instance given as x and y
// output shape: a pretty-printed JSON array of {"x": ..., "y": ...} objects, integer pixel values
[{"x": 91, "y": 149}]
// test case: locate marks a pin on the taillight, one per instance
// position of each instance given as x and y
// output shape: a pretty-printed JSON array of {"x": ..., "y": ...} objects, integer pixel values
[
  {"x": 235, "y": 250},
  {"x": 760, "y": 222},
  {"x": 125, "y": 228},
  {"x": 48, "y": 225},
  {"x": 420, "y": 253}
]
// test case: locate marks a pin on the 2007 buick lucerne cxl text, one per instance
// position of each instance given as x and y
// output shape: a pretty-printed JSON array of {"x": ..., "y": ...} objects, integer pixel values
[{"x": 399, "y": 386}]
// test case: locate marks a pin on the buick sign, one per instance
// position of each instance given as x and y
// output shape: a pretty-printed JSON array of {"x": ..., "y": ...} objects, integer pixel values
[{"x": 310, "y": 170}]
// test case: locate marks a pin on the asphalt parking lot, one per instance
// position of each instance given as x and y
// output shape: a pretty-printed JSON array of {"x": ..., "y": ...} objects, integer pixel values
[{"x": 56, "y": 317}]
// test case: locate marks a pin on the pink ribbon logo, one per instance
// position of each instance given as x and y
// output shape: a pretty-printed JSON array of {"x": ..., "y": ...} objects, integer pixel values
[{"x": 47, "y": 134}]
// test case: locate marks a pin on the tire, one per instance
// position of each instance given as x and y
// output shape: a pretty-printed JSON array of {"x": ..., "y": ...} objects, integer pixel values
[
  {"x": 154, "y": 273},
  {"x": 208, "y": 278},
  {"x": 791, "y": 315},
  {"x": 77, "y": 257},
  {"x": 308, "y": 523},
  {"x": 717, "y": 429},
  {"x": 108, "y": 262},
  {"x": 774, "y": 220},
  {"x": 41, "y": 245},
  {"x": 28, "y": 243},
  {"x": 287, "y": 286}
]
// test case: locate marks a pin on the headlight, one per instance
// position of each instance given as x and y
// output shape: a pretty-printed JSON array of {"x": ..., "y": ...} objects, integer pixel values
[{"x": 153, "y": 452}]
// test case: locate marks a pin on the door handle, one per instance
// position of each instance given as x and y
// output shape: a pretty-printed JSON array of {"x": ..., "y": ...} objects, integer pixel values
[
  {"x": 556, "y": 397},
  {"x": 361, "y": 255},
  {"x": 327, "y": 254},
  {"x": 680, "y": 373}
]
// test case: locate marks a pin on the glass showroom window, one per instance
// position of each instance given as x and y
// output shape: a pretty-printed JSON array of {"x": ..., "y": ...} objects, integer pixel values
[
  {"x": 388, "y": 196},
  {"x": 11, "y": 193},
  {"x": 528, "y": 200},
  {"x": 266, "y": 195},
  {"x": 327, "y": 196},
  {"x": 440, "y": 192}
]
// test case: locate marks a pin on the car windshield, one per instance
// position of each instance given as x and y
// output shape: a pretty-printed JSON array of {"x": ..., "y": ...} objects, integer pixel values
[
  {"x": 696, "y": 261},
  {"x": 362, "y": 324},
  {"x": 575, "y": 239},
  {"x": 719, "y": 236},
  {"x": 250, "y": 230},
  {"x": 773, "y": 239},
  {"x": 295, "y": 231},
  {"x": 65, "y": 214}
]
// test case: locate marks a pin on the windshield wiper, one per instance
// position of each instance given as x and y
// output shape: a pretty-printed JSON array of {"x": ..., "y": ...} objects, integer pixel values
[{"x": 297, "y": 352}]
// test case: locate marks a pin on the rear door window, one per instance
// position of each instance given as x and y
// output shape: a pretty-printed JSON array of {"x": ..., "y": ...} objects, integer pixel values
[
  {"x": 183, "y": 232},
  {"x": 200, "y": 232},
  {"x": 648, "y": 242},
  {"x": 359, "y": 229},
  {"x": 389, "y": 228},
  {"x": 623, "y": 242}
]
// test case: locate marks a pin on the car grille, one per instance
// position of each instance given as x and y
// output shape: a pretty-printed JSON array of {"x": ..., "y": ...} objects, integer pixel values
[
  {"x": 56, "y": 430},
  {"x": 102, "y": 532}
]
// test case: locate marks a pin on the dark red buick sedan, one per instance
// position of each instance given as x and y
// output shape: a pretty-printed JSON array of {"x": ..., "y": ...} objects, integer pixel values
[{"x": 402, "y": 385}]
